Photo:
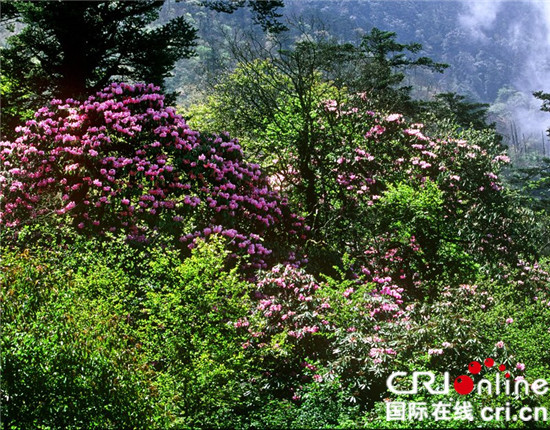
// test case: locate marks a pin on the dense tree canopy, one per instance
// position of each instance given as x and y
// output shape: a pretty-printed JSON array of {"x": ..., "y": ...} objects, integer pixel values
[
  {"x": 545, "y": 97},
  {"x": 72, "y": 49},
  {"x": 265, "y": 11}
]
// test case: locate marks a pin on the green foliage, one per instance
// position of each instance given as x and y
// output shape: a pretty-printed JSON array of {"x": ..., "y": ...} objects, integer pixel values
[
  {"x": 419, "y": 213},
  {"x": 320, "y": 405},
  {"x": 75, "y": 49},
  {"x": 272, "y": 99},
  {"x": 120, "y": 338},
  {"x": 524, "y": 297},
  {"x": 382, "y": 61},
  {"x": 106, "y": 336},
  {"x": 188, "y": 335},
  {"x": 413, "y": 208},
  {"x": 545, "y": 97},
  {"x": 459, "y": 110},
  {"x": 533, "y": 179},
  {"x": 68, "y": 355},
  {"x": 534, "y": 183},
  {"x": 16, "y": 99},
  {"x": 427, "y": 244},
  {"x": 389, "y": 182},
  {"x": 506, "y": 320},
  {"x": 265, "y": 12}
]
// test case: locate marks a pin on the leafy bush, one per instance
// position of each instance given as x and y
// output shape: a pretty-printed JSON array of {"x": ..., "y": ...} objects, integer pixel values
[
  {"x": 343, "y": 332},
  {"x": 87, "y": 342},
  {"x": 68, "y": 355},
  {"x": 189, "y": 337}
]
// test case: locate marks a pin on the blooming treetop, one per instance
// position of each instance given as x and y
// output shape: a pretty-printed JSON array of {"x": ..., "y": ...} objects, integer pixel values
[{"x": 122, "y": 161}]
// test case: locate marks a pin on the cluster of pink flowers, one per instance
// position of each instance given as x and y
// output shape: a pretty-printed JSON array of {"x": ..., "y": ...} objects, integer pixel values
[
  {"x": 520, "y": 366},
  {"x": 532, "y": 278},
  {"x": 292, "y": 306},
  {"x": 122, "y": 161},
  {"x": 285, "y": 296},
  {"x": 386, "y": 266},
  {"x": 378, "y": 354},
  {"x": 409, "y": 153},
  {"x": 376, "y": 153}
]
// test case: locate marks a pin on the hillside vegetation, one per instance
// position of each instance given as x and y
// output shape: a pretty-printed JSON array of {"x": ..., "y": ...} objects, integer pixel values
[{"x": 269, "y": 252}]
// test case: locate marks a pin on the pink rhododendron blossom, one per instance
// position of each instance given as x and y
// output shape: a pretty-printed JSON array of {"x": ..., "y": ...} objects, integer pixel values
[
  {"x": 67, "y": 150},
  {"x": 394, "y": 117}
]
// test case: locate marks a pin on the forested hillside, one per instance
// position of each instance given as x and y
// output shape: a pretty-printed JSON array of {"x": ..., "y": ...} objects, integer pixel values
[
  {"x": 497, "y": 51},
  {"x": 274, "y": 214}
]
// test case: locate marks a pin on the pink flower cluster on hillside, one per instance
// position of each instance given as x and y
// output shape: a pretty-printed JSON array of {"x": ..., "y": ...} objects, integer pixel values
[
  {"x": 351, "y": 330},
  {"x": 382, "y": 166},
  {"x": 285, "y": 294},
  {"x": 122, "y": 161},
  {"x": 391, "y": 151}
]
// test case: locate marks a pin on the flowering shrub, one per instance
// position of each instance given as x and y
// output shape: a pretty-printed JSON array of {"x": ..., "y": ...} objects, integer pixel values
[
  {"x": 473, "y": 322},
  {"x": 288, "y": 327},
  {"x": 388, "y": 182},
  {"x": 370, "y": 319},
  {"x": 121, "y": 161},
  {"x": 339, "y": 330}
]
